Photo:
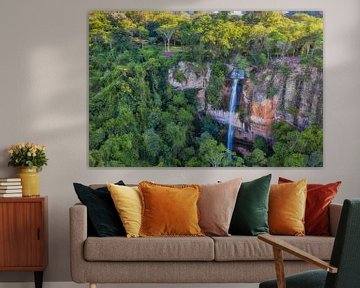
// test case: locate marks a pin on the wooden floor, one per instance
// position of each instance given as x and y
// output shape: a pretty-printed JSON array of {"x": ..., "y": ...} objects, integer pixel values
[{"x": 74, "y": 285}]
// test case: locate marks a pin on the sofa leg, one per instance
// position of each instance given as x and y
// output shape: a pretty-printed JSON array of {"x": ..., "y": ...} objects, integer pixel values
[{"x": 92, "y": 285}]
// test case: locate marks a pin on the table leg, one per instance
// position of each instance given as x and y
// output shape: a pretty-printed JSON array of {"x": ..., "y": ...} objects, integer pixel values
[{"x": 38, "y": 279}]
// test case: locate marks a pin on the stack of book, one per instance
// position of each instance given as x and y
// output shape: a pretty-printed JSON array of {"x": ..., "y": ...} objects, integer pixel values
[{"x": 10, "y": 187}]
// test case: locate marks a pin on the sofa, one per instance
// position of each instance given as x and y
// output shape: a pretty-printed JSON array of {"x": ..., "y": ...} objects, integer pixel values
[{"x": 233, "y": 259}]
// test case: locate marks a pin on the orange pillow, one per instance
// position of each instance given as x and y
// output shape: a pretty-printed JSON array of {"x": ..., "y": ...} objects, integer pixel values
[
  {"x": 169, "y": 210},
  {"x": 287, "y": 204},
  {"x": 318, "y": 200}
]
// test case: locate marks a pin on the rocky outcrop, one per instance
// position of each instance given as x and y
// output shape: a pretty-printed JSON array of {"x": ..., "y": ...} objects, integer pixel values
[
  {"x": 262, "y": 115},
  {"x": 285, "y": 90},
  {"x": 187, "y": 75}
]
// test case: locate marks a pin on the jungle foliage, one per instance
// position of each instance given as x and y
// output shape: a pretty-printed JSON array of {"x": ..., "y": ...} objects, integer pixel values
[{"x": 136, "y": 118}]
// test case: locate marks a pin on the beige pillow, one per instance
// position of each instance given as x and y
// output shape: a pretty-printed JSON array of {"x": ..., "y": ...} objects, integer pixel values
[{"x": 216, "y": 206}]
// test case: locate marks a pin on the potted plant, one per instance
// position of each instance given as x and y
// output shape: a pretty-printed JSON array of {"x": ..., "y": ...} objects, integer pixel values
[{"x": 30, "y": 158}]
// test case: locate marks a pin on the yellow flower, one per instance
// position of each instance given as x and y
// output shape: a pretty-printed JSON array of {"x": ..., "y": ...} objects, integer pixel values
[
  {"x": 22, "y": 151},
  {"x": 41, "y": 147}
]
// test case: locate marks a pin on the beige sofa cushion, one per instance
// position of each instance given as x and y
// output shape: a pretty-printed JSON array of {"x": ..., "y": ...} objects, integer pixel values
[
  {"x": 244, "y": 248},
  {"x": 149, "y": 249}
]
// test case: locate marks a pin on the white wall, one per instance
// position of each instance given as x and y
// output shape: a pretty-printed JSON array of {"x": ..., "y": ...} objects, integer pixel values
[{"x": 44, "y": 99}]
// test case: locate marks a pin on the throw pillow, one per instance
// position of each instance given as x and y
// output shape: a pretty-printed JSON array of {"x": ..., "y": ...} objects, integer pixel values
[
  {"x": 250, "y": 215},
  {"x": 216, "y": 206},
  {"x": 287, "y": 204},
  {"x": 169, "y": 210},
  {"x": 319, "y": 197},
  {"x": 127, "y": 201},
  {"x": 102, "y": 215}
]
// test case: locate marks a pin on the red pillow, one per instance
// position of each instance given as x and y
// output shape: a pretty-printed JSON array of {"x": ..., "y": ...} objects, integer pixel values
[{"x": 319, "y": 197}]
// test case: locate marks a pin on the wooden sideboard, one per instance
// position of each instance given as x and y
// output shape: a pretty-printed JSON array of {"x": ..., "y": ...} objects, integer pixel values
[{"x": 23, "y": 235}]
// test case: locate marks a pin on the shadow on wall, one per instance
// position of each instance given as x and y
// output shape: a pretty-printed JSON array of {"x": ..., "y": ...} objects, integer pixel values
[
  {"x": 43, "y": 69},
  {"x": 4, "y": 159}
]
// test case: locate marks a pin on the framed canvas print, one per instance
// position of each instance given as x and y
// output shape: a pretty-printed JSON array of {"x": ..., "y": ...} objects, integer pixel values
[{"x": 205, "y": 88}]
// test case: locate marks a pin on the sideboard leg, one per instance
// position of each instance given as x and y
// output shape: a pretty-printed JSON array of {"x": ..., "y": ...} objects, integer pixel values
[
  {"x": 38, "y": 279},
  {"x": 92, "y": 285}
]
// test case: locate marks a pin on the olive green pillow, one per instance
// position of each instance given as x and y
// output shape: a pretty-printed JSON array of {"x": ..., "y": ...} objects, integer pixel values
[{"x": 250, "y": 216}]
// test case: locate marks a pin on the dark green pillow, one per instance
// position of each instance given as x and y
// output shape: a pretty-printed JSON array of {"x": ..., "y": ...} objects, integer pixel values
[
  {"x": 250, "y": 216},
  {"x": 103, "y": 218}
]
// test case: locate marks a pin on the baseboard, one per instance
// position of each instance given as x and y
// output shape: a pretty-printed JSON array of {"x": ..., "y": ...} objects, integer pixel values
[{"x": 74, "y": 285}]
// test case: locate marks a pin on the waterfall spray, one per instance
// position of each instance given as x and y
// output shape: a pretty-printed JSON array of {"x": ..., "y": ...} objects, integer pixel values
[
  {"x": 236, "y": 75},
  {"x": 232, "y": 106}
]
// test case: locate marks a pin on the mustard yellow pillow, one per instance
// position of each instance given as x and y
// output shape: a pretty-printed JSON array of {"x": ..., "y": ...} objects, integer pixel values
[
  {"x": 127, "y": 201},
  {"x": 287, "y": 204},
  {"x": 169, "y": 210}
]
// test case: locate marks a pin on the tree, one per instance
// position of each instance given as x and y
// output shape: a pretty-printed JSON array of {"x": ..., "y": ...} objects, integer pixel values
[
  {"x": 259, "y": 39},
  {"x": 315, "y": 159},
  {"x": 96, "y": 137},
  {"x": 220, "y": 37},
  {"x": 153, "y": 144},
  {"x": 256, "y": 158},
  {"x": 216, "y": 82},
  {"x": 279, "y": 130},
  {"x": 260, "y": 143},
  {"x": 120, "y": 151},
  {"x": 176, "y": 136},
  {"x": 209, "y": 125},
  {"x": 313, "y": 137},
  {"x": 99, "y": 29},
  {"x": 142, "y": 34},
  {"x": 169, "y": 23},
  {"x": 166, "y": 31},
  {"x": 281, "y": 150},
  {"x": 295, "y": 160},
  {"x": 296, "y": 148},
  {"x": 211, "y": 152}
]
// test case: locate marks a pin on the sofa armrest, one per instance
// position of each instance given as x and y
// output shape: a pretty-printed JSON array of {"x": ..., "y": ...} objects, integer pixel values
[
  {"x": 78, "y": 235},
  {"x": 334, "y": 216}
]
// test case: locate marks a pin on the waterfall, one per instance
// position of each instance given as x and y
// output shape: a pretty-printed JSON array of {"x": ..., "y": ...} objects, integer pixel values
[{"x": 232, "y": 106}]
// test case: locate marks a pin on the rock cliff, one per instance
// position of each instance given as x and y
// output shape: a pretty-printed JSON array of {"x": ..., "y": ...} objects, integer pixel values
[
  {"x": 191, "y": 76},
  {"x": 285, "y": 90}
]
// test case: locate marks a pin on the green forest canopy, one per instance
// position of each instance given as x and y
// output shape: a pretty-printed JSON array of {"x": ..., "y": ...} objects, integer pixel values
[{"x": 138, "y": 119}]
